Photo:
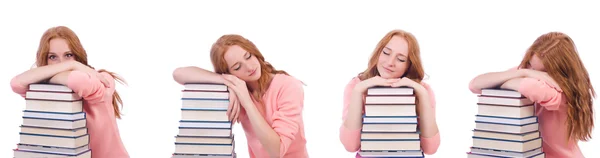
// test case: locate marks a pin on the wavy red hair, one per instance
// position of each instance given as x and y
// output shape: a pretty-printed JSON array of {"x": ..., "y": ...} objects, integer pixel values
[
  {"x": 561, "y": 61},
  {"x": 415, "y": 69},
  {"x": 217, "y": 56}
]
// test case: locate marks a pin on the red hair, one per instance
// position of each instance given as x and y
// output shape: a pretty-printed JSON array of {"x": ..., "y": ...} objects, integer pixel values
[
  {"x": 217, "y": 56},
  {"x": 415, "y": 69},
  {"x": 561, "y": 61}
]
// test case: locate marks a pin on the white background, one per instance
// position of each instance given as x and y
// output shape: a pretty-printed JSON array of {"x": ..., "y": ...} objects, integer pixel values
[{"x": 322, "y": 44}]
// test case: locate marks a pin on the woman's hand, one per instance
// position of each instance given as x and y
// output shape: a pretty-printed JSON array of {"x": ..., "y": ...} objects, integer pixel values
[
  {"x": 239, "y": 87},
  {"x": 372, "y": 82},
  {"x": 90, "y": 71},
  {"x": 405, "y": 81},
  {"x": 233, "y": 110},
  {"x": 540, "y": 75}
]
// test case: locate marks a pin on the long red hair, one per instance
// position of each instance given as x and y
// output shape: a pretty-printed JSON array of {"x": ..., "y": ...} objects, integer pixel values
[
  {"x": 217, "y": 56},
  {"x": 415, "y": 69},
  {"x": 561, "y": 61},
  {"x": 79, "y": 53}
]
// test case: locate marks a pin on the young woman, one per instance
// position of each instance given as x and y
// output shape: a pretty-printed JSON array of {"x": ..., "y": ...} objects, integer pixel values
[
  {"x": 395, "y": 62},
  {"x": 61, "y": 59},
  {"x": 270, "y": 99},
  {"x": 552, "y": 75}
]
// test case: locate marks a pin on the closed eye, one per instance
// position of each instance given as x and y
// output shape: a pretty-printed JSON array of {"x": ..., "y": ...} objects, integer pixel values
[
  {"x": 249, "y": 56},
  {"x": 238, "y": 67},
  {"x": 401, "y": 60},
  {"x": 386, "y": 53}
]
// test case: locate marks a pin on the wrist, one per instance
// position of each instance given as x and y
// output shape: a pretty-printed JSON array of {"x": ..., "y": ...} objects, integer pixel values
[
  {"x": 359, "y": 88},
  {"x": 418, "y": 88},
  {"x": 522, "y": 73}
]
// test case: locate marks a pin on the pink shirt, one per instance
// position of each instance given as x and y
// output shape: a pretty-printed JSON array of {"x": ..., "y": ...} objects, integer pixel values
[
  {"x": 105, "y": 140},
  {"x": 351, "y": 137},
  {"x": 283, "y": 103}
]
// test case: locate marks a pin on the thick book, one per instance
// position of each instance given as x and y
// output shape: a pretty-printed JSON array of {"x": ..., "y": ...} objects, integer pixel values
[
  {"x": 204, "y": 114},
  {"x": 214, "y": 132},
  {"x": 49, "y": 88},
  {"x": 390, "y": 110},
  {"x": 204, "y": 140},
  {"x": 204, "y": 95},
  {"x": 55, "y": 96},
  {"x": 205, "y": 124},
  {"x": 504, "y": 101},
  {"x": 214, "y": 87},
  {"x": 506, "y": 111},
  {"x": 507, "y": 128},
  {"x": 502, "y": 153},
  {"x": 387, "y": 145},
  {"x": 507, "y": 145},
  {"x": 506, "y": 136},
  {"x": 193, "y": 148},
  {"x": 389, "y": 135},
  {"x": 54, "y": 106},
  {"x": 501, "y": 93},
  {"x": 381, "y": 90},
  {"x": 37, "y": 154},
  {"x": 55, "y": 141},
  {"x": 54, "y": 131},
  {"x": 53, "y": 115},
  {"x": 389, "y": 154},
  {"x": 52, "y": 149},
  {"x": 387, "y": 100},
  {"x": 54, "y": 123},
  {"x": 506, "y": 120}
]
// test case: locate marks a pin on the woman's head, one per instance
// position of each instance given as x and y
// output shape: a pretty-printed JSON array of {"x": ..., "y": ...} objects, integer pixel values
[
  {"x": 396, "y": 55},
  {"x": 236, "y": 55},
  {"x": 556, "y": 54},
  {"x": 59, "y": 44}
]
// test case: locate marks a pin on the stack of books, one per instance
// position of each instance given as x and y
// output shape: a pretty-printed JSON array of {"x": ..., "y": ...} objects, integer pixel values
[
  {"x": 390, "y": 124},
  {"x": 505, "y": 126},
  {"x": 54, "y": 124},
  {"x": 204, "y": 130}
]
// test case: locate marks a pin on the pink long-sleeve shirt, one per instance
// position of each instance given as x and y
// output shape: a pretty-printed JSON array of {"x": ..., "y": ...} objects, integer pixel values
[
  {"x": 551, "y": 109},
  {"x": 283, "y": 102},
  {"x": 350, "y": 138},
  {"x": 105, "y": 140}
]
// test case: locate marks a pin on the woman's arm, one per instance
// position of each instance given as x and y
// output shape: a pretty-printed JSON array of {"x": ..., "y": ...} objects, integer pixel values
[
  {"x": 493, "y": 79},
  {"x": 537, "y": 90},
  {"x": 192, "y": 74},
  {"x": 352, "y": 117},
  {"x": 36, "y": 75},
  {"x": 88, "y": 86},
  {"x": 286, "y": 120},
  {"x": 430, "y": 137}
]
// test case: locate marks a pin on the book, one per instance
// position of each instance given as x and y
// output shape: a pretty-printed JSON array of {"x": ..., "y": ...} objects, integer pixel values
[
  {"x": 204, "y": 129},
  {"x": 505, "y": 126},
  {"x": 390, "y": 123},
  {"x": 54, "y": 124}
]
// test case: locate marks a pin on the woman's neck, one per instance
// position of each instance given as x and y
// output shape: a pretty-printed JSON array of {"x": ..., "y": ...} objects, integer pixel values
[{"x": 255, "y": 85}]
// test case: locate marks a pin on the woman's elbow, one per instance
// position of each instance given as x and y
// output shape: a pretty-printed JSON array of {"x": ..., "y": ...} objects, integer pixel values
[
  {"x": 178, "y": 73},
  {"x": 350, "y": 146},
  {"x": 430, "y": 151},
  {"x": 474, "y": 87}
]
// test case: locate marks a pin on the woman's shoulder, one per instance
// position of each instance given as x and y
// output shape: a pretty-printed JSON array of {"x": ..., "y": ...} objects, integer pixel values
[{"x": 283, "y": 80}]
